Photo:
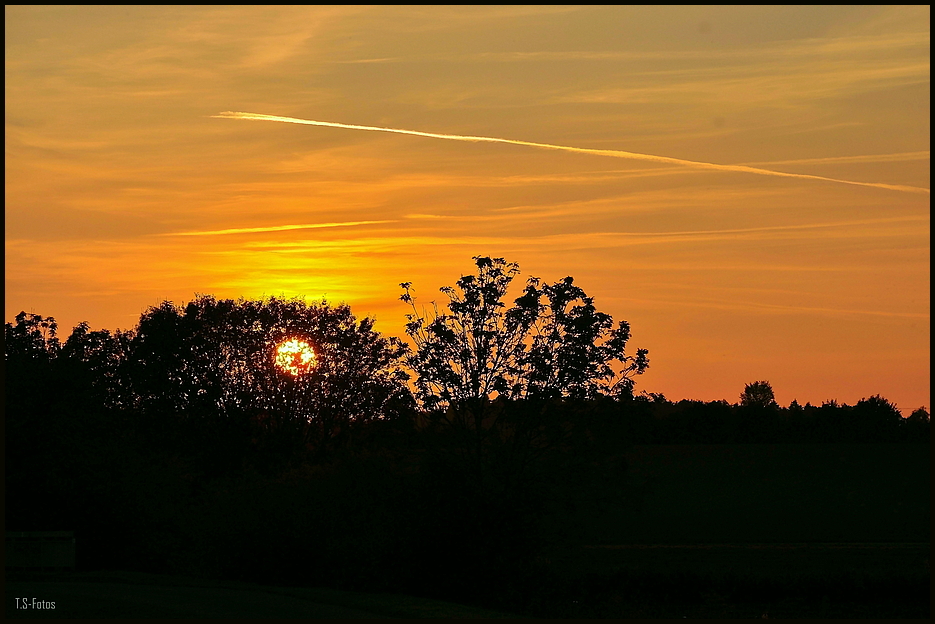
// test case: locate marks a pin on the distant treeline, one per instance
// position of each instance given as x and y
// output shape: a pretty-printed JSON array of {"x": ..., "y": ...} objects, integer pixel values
[{"x": 652, "y": 419}]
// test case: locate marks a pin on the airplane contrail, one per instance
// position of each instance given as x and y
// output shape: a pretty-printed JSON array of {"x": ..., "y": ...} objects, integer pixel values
[{"x": 566, "y": 148}]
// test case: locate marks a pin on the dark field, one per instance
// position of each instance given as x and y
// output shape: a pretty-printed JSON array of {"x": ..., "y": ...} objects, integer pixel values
[
  {"x": 765, "y": 493},
  {"x": 791, "y": 530},
  {"x": 734, "y": 580}
]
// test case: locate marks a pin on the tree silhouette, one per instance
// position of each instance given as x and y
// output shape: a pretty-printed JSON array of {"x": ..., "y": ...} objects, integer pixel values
[
  {"x": 917, "y": 426},
  {"x": 96, "y": 361},
  {"x": 214, "y": 360},
  {"x": 875, "y": 419},
  {"x": 758, "y": 394},
  {"x": 559, "y": 347},
  {"x": 31, "y": 418},
  {"x": 33, "y": 338},
  {"x": 758, "y": 414}
]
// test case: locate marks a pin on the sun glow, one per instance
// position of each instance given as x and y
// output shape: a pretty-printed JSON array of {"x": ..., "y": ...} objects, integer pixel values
[{"x": 296, "y": 357}]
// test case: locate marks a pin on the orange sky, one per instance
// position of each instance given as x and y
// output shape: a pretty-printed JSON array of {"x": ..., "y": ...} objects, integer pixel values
[{"x": 123, "y": 189}]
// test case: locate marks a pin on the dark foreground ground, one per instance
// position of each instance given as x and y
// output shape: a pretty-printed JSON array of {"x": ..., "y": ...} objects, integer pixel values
[
  {"x": 740, "y": 581},
  {"x": 598, "y": 581},
  {"x": 137, "y": 595}
]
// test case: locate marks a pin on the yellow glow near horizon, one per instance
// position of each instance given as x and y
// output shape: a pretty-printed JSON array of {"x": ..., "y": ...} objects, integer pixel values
[{"x": 296, "y": 357}]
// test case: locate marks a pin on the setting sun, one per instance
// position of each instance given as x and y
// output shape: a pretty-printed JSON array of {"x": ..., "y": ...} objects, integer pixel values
[{"x": 296, "y": 357}]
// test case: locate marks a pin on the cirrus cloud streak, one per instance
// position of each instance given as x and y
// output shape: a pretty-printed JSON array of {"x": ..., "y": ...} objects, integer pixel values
[{"x": 274, "y": 228}]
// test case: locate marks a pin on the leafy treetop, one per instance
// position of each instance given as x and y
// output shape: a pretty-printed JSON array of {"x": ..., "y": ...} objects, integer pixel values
[{"x": 551, "y": 343}]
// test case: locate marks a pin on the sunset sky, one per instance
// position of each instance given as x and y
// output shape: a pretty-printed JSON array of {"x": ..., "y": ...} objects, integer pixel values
[{"x": 124, "y": 188}]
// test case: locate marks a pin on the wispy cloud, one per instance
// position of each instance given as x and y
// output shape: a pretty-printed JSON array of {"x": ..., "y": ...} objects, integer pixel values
[
  {"x": 752, "y": 306},
  {"x": 854, "y": 44},
  {"x": 579, "y": 150},
  {"x": 274, "y": 228},
  {"x": 580, "y": 240},
  {"x": 900, "y": 157}
]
